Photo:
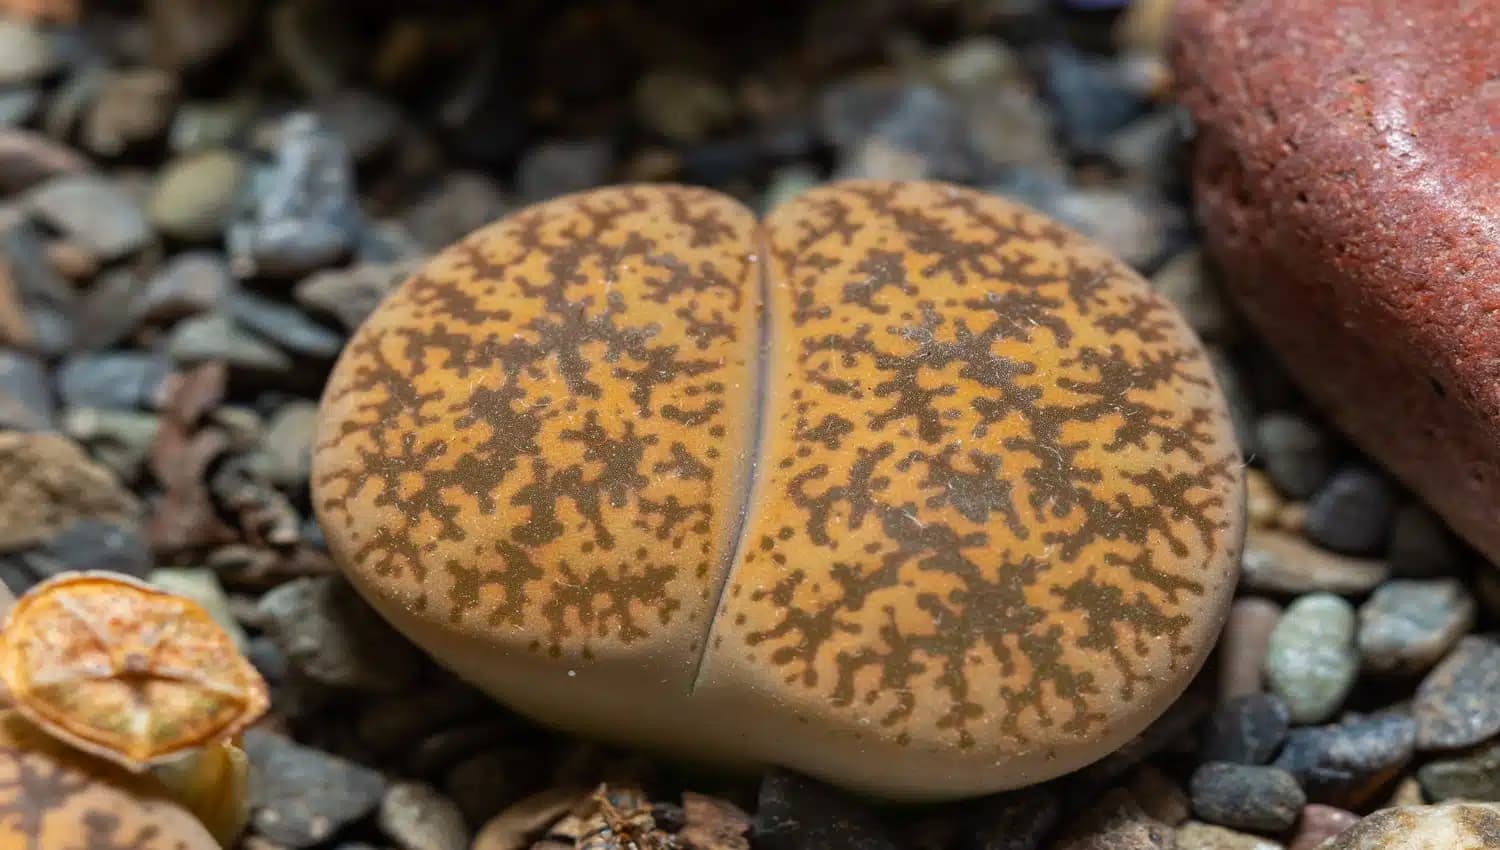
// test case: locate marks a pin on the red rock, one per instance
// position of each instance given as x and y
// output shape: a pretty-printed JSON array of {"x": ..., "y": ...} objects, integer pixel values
[
  {"x": 1346, "y": 176},
  {"x": 1318, "y": 823}
]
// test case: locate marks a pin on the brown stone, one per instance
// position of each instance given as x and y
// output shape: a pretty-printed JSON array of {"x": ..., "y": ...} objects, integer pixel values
[
  {"x": 50, "y": 484},
  {"x": 1243, "y": 645},
  {"x": 1347, "y": 182},
  {"x": 1319, "y": 823}
]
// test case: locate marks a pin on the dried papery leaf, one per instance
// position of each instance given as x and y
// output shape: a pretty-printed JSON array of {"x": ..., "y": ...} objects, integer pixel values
[{"x": 125, "y": 670}]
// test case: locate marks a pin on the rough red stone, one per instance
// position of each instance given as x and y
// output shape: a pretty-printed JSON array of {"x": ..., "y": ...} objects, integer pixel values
[{"x": 1347, "y": 177}]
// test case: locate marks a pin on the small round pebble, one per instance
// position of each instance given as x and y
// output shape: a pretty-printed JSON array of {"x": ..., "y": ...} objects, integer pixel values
[
  {"x": 1348, "y": 763},
  {"x": 1311, "y": 662},
  {"x": 1409, "y": 624},
  {"x": 1318, "y": 823},
  {"x": 1458, "y": 704},
  {"x": 1243, "y": 644},
  {"x": 1263, "y": 799},
  {"x": 1421, "y": 545},
  {"x": 1474, "y": 775},
  {"x": 1352, "y": 512},
  {"x": 328, "y": 632},
  {"x": 1280, "y": 562},
  {"x": 194, "y": 195},
  {"x": 1248, "y": 729},
  {"x": 1451, "y": 826},
  {"x": 26, "y": 55},
  {"x": 417, "y": 817},
  {"x": 1296, "y": 453}
]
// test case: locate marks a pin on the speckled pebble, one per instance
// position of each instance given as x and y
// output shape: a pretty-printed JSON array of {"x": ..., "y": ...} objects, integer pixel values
[
  {"x": 1352, "y": 512},
  {"x": 418, "y": 817},
  {"x": 1194, "y": 835},
  {"x": 299, "y": 796},
  {"x": 1409, "y": 624},
  {"x": 1458, "y": 704},
  {"x": 1471, "y": 775},
  {"x": 329, "y": 633},
  {"x": 1262, "y": 799},
  {"x": 1450, "y": 826},
  {"x": 1248, "y": 729},
  {"x": 1347, "y": 764},
  {"x": 1116, "y": 822},
  {"x": 1311, "y": 661},
  {"x": 1277, "y": 561}
]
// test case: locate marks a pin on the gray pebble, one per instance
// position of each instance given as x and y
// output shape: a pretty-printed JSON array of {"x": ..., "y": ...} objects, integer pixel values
[
  {"x": 1090, "y": 96},
  {"x": 366, "y": 122},
  {"x": 1237, "y": 394},
  {"x": 1185, "y": 281},
  {"x": 25, "y": 393},
  {"x": 26, "y": 54},
  {"x": 304, "y": 214},
  {"x": 1297, "y": 453},
  {"x": 119, "y": 439},
  {"x": 1132, "y": 222},
  {"x": 1246, "y": 730},
  {"x": 330, "y": 634},
  {"x": 18, "y": 105},
  {"x": 1312, "y": 661},
  {"x": 93, "y": 211},
  {"x": 1343, "y": 764},
  {"x": 1421, "y": 545},
  {"x": 194, "y": 195},
  {"x": 417, "y": 817},
  {"x": 186, "y": 285},
  {"x": 795, "y": 812},
  {"x": 131, "y": 107},
  {"x": 1408, "y": 624},
  {"x": 300, "y": 797},
  {"x": 351, "y": 294},
  {"x": 1284, "y": 563},
  {"x": 1458, "y": 704},
  {"x": 1264, "y": 799},
  {"x": 91, "y": 544},
  {"x": 387, "y": 724},
  {"x": 214, "y": 336},
  {"x": 1015, "y": 820},
  {"x": 285, "y": 325},
  {"x": 1472, "y": 775},
  {"x": 1352, "y": 512},
  {"x": 199, "y": 125},
  {"x": 50, "y": 303},
  {"x": 563, "y": 166},
  {"x": 462, "y": 202},
  {"x": 117, "y": 380},
  {"x": 288, "y": 444},
  {"x": 486, "y": 782}
]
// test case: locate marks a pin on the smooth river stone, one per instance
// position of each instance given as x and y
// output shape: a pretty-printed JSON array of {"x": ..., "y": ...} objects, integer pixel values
[
  {"x": 1346, "y": 177},
  {"x": 906, "y": 487}
]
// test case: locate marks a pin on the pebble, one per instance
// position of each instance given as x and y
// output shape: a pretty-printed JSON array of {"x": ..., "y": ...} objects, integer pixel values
[
  {"x": 1311, "y": 661},
  {"x": 47, "y": 323},
  {"x": 303, "y": 214},
  {"x": 28, "y": 158},
  {"x": 1016, "y": 820},
  {"x": 463, "y": 202},
  {"x": 186, "y": 33},
  {"x": 417, "y": 817},
  {"x": 1185, "y": 281},
  {"x": 285, "y": 325},
  {"x": 1458, "y": 703},
  {"x": 1248, "y": 729},
  {"x": 794, "y": 812},
  {"x": 367, "y": 122},
  {"x": 186, "y": 285},
  {"x": 92, "y": 544},
  {"x": 1450, "y": 826},
  {"x": 1160, "y": 796},
  {"x": 682, "y": 106},
  {"x": 1204, "y": 836},
  {"x": 1132, "y": 223},
  {"x": 17, "y": 106},
  {"x": 288, "y": 444},
  {"x": 1277, "y": 561},
  {"x": 199, "y": 125},
  {"x": 26, "y": 55},
  {"x": 1471, "y": 775},
  {"x": 1263, "y": 505},
  {"x": 1346, "y": 764},
  {"x": 1409, "y": 624},
  {"x": 387, "y": 724},
  {"x": 1297, "y": 454},
  {"x": 486, "y": 782},
  {"x": 1319, "y": 823},
  {"x": 1352, "y": 512},
  {"x": 562, "y": 166},
  {"x": 1090, "y": 95},
  {"x": 1243, "y": 644},
  {"x": 118, "y": 439},
  {"x": 1421, "y": 545},
  {"x": 201, "y": 585},
  {"x": 438, "y": 751},
  {"x": 330, "y": 634},
  {"x": 214, "y": 336},
  {"x": 299, "y": 796},
  {"x": 94, "y": 212},
  {"x": 1241, "y": 796},
  {"x": 130, "y": 108},
  {"x": 115, "y": 380},
  {"x": 49, "y": 485},
  {"x": 194, "y": 196},
  {"x": 1116, "y": 822},
  {"x": 25, "y": 393},
  {"x": 352, "y": 293}
]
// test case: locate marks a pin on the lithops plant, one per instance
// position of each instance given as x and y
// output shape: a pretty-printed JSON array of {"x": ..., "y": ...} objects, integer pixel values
[
  {"x": 906, "y": 487},
  {"x": 54, "y": 797},
  {"x": 124, "y": 670}
]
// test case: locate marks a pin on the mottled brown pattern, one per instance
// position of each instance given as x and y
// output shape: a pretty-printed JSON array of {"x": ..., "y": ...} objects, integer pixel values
[
  {"x": 55, "y": 798},
  {"x": 977, "y": 498}
]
